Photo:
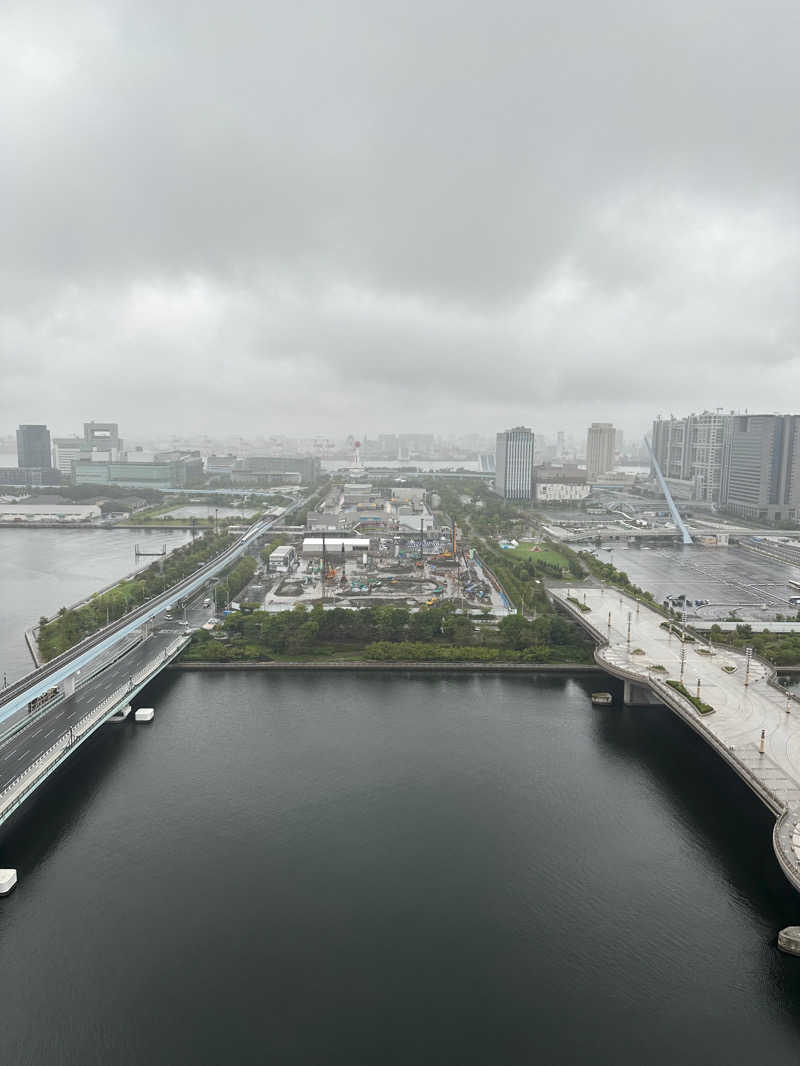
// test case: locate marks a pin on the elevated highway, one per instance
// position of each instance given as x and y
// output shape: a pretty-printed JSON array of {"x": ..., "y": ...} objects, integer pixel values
[
  {"x": 47, "y": 714},
  {"x": 61, "y": 671},
  {"x": 617, "y": 532}
]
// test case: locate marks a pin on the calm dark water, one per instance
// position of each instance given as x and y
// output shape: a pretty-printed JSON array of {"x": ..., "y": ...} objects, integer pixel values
[
  {"x": 394, "y": 869},
  {"x": 42, "y": 570}
]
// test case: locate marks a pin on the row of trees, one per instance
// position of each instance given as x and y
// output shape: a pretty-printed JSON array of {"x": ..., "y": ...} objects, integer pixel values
[
  {"x": 233, "y": 580},
  {"x": 71, "y": 625},
  {"x": 782, "y": 649},
  {"x": 441, "y": 631}
]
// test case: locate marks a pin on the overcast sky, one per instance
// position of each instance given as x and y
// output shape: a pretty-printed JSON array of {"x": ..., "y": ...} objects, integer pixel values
[{"x": 359, "y": 216}]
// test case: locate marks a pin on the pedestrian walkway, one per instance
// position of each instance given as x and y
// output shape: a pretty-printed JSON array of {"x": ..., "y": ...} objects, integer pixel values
[{"x": 753, "y": 723}]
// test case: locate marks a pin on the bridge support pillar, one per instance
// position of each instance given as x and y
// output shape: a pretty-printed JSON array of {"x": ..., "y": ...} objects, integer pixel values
[{"x": 634, "y": 695}]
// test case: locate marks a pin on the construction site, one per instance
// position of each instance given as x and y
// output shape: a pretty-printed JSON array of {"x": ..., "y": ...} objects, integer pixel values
[{"x": 395, "y": 569}]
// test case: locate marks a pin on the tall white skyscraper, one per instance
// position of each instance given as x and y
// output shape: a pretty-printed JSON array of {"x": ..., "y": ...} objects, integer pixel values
[
  {"x": 514, "y": 464},
  {"x": 600, "y": 442}
]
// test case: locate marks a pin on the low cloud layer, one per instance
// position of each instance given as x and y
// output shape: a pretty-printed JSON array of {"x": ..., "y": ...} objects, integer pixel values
[{"x": 369, "y": 216}]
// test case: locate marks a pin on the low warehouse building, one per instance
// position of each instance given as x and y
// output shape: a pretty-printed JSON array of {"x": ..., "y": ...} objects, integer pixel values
[{"x": 313, "y": 546}]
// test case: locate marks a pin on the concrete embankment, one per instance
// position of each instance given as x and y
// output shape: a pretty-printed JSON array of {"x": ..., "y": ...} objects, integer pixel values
[
  {"x": 33, "y": 645},
  {"x": 366, "y": 664}
]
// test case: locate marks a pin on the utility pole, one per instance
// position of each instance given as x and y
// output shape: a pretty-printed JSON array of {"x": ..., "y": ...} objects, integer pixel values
[
  {"x": 748, "y": 657},
  {"x": 683, "y": 659}
]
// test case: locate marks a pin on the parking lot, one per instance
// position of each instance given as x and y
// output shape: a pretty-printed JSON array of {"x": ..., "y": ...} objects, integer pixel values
[{"x": 733, "y": 579}]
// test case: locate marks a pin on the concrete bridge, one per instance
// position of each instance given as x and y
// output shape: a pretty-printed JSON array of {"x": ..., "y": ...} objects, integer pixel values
[{"x": 753, "y": 723}]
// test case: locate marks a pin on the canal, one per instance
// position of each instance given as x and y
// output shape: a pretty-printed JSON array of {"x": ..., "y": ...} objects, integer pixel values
[{"x": 395, "y": 868}]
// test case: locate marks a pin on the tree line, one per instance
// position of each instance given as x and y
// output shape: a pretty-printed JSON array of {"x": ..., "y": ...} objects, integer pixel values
[
  {"x": 436, "y": 633},
  {"x": 71, "y": 625}
]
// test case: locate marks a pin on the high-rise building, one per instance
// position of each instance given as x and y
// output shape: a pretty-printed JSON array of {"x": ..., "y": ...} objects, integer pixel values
[
  {"x": 689, "y": 452},
  {"x": 103, "y": 437},
  {"x": 599, "y": 449},
  {"x": 33, "y": 448},
  {"x": 761, "y": 467},
  {"x": 66, "y": 450},
  {"x": 514, "y": 464}
]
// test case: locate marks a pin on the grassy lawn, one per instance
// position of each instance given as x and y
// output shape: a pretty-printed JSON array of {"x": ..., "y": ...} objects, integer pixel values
[{"x": 544, "y": 555}]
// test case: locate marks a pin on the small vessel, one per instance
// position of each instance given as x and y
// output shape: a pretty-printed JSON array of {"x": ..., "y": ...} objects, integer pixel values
[{"x": 602, "y": 698}]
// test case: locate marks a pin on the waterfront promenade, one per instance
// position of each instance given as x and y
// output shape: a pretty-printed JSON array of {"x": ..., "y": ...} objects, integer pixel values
[{"x": 633, "y": 645}]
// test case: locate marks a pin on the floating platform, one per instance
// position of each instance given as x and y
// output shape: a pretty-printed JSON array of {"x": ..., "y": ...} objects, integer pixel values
[
  {"x": 8, "y": 879},
  {"x": 602, "y": 698},
  {"x": 145, "y": 714},
  {"x": 121, "y": 714}
]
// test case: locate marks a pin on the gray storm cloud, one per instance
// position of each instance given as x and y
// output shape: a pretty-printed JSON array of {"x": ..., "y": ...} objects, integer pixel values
[{"x": 355, "y": 216}]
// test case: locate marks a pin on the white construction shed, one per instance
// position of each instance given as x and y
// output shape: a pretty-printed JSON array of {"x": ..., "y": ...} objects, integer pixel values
[{"x": 312, "y": 546}]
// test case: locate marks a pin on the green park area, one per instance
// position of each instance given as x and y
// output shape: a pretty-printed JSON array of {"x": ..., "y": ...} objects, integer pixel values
[
  {"x": 780, "y": 649},
  {"x": 538, "y": 553}
]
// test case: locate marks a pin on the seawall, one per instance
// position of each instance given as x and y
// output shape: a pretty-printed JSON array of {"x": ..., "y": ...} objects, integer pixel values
[{"x": 366, "y": 664}]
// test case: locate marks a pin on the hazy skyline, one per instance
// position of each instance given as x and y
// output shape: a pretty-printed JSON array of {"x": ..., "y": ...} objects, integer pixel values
[{"x": 334, "y": 218}]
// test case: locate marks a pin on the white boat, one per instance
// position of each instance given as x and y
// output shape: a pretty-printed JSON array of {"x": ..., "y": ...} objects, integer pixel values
[{"x": 602, "y": 698}]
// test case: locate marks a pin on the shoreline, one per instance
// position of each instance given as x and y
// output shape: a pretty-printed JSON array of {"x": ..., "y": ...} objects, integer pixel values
[{"x": 369, "y": 664}]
